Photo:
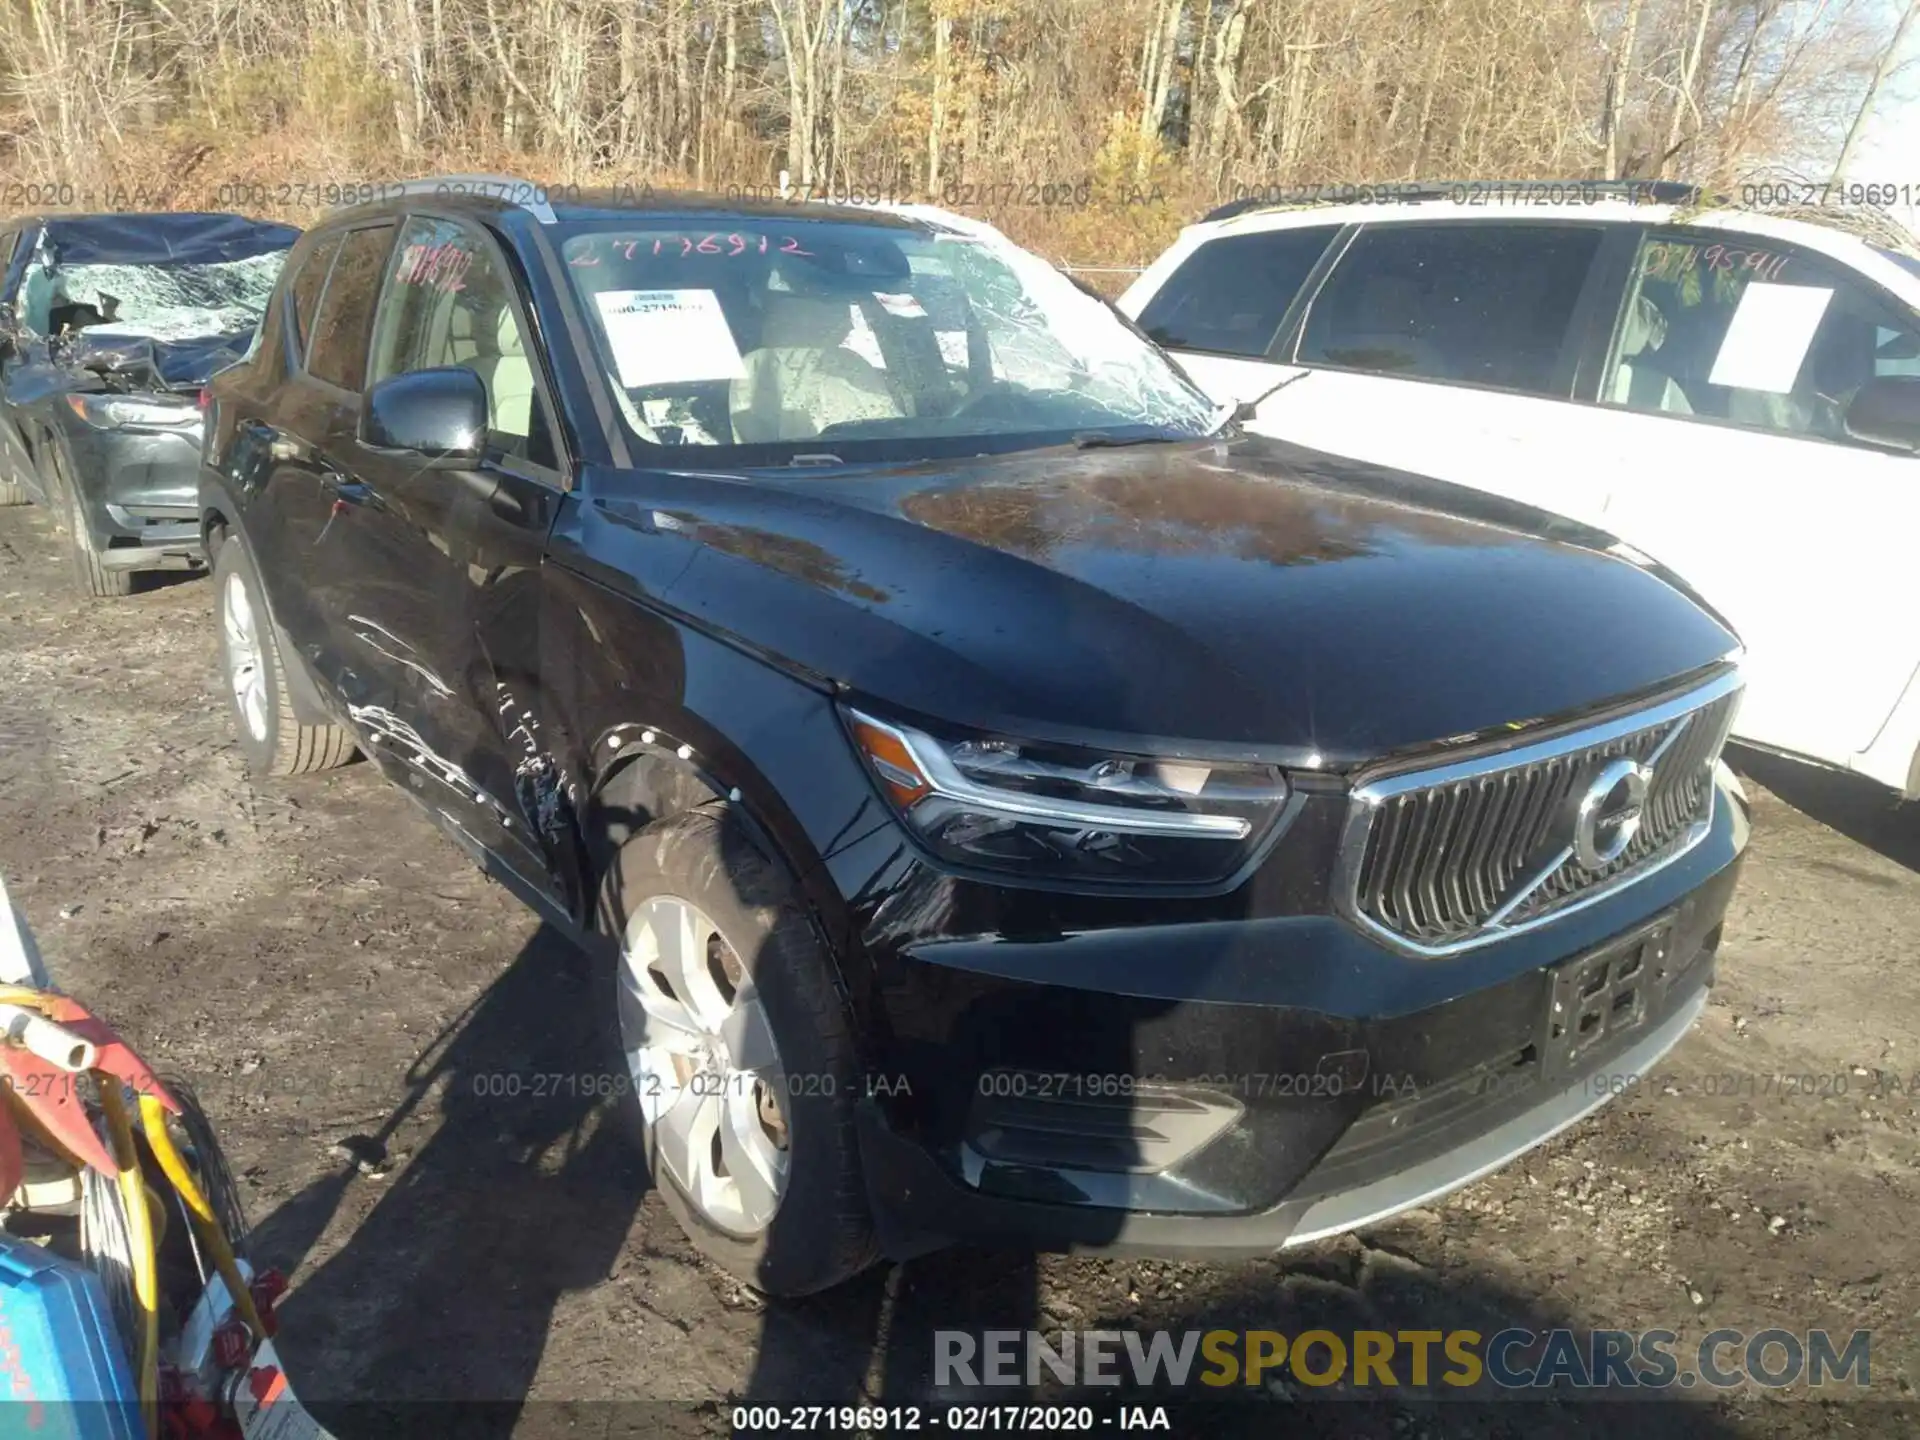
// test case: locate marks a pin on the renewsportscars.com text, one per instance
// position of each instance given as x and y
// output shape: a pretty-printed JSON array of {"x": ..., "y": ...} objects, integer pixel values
[{"x": 1513, "y": 1359}]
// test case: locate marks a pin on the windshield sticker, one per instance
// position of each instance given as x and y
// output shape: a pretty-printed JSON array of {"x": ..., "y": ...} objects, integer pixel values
[
  {"x": 1768, "y": 338},
  {"x": 904, "y": 306},
  {"x": 668, "y": 337},
  {"x": 862, "y": 341},
  {"x": 439, "y": 267}
]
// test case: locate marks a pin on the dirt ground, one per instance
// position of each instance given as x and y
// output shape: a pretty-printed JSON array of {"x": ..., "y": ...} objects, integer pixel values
[{"x": 351, "y": 996}]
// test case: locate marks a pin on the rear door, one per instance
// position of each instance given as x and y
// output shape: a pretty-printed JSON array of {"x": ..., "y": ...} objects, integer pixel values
[
  {"x": 1724, "y": 398},
  {"x": 439, "y": 602},
  {"x": 276, "y": 461}
]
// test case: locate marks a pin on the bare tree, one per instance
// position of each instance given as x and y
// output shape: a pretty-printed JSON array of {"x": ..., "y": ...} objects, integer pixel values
[
  {"x": 1885, "y": 68},
  {"x": 1181, "y": 99}
]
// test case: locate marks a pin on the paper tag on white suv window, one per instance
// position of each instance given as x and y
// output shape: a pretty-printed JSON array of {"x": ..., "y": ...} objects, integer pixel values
[
  {"x": 668, "y": 337},
  {"x": 1767, "y": 339}
]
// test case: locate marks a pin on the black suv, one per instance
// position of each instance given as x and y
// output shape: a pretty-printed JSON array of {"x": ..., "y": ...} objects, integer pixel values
[{"x": 1021, "y": 804}]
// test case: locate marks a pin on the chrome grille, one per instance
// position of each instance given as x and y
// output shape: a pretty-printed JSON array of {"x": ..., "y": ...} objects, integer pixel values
[{"x": 1447, "y": 858}]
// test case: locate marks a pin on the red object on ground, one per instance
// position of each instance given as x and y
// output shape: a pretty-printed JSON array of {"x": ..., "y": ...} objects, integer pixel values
[
  {"x": 267, "y": 1288},
  {"x": 52, "y": 1096},
  {"x": 232, "y": 1344}
]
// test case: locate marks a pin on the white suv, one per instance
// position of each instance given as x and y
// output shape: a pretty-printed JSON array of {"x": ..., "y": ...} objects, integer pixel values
[{"x": 1733, "y": 393}]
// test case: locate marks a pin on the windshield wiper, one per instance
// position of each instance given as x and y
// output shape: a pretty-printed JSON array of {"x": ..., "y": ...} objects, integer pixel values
[
  {"x": 1101, "y": 439},
  {"x": 1245, "y": 410},
  {"x": 1241, "y": 411}
]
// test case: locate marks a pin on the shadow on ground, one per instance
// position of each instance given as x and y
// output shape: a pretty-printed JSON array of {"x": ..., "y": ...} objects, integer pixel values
[
  {"x": 446, "y": 1292},
  {"x": 523, "y": 1192},
  {"x": 1866, "y": 813}
]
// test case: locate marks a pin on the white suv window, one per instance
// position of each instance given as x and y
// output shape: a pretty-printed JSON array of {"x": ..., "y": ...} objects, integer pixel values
[
  {"x": 1476, "y": 304},
  {"x": 1229, "y": 296},
  {"x": 1738, "y": 328}
]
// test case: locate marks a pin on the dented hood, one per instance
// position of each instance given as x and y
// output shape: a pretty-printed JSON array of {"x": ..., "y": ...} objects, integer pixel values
[{"x": 138, "y": 362}]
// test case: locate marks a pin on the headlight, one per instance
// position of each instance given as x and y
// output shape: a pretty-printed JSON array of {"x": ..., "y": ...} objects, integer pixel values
[
  {"x": 111, "y": 412},
  {"x": 1065, "y": 814}
]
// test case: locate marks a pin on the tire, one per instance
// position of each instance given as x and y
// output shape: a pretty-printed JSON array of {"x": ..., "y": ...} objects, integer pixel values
[
  {"x": 820, "y": 1231},
  {"x": 272, "y": 739},
  {"x": 93, "y": 578}
]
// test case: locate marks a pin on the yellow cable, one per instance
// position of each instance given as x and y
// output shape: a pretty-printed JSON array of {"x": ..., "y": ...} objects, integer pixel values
[
  {"x": 146, "y": 1285},
  {"x": 154, "y": 1116},
  {"x": 135, "y": 1196}
]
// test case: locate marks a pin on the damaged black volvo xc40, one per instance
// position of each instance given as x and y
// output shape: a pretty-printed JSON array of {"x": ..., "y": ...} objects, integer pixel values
[{"x": 1007, "y": 800}]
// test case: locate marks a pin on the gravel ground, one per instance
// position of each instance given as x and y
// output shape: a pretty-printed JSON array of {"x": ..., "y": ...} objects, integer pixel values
[{"x": 351, "y": 995}]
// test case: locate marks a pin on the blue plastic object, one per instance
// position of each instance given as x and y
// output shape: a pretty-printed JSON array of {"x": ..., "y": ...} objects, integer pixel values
[{"x": 63, "y": 1372}]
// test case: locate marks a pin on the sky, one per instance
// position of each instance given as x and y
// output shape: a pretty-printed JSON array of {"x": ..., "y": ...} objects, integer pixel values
[{"x": 1889, "y": 149}]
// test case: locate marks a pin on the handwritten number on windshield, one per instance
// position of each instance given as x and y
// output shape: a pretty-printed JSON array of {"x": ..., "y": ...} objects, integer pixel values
[{"x": 729, "y": 244}]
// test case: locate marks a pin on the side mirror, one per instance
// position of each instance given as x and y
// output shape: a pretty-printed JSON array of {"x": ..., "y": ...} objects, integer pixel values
[
  {"x": 1886, "y": 411},
  {"x": 440, "y": 415}
]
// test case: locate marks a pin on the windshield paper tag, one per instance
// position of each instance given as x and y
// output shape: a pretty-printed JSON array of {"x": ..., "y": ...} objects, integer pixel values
[
  {"x": 668, "y": 337},
  {"x": 1768, "y": 337},
  {"x": 905, "y": 306}
]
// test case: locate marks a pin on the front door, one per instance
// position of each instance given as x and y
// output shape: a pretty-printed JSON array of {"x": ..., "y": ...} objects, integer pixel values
[
  {"x": 1451, "y": 350},
  {"x": 439, "y": 609}
]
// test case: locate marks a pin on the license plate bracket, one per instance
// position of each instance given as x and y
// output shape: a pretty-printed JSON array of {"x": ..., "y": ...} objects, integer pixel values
[{"x": 1601, "y": 996}]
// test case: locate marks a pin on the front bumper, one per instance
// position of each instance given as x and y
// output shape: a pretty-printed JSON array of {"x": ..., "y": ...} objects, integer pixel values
[{"x": 1311, "y": 1084}]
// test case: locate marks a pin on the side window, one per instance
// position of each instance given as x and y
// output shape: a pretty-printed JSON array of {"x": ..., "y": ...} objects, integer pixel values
[
  {"x": 448, "y": 302},
  {"x": 305, "y": 286},
  {"x": 1896, "y": 349},
  {"x": 1230, "y": 295},
  {"x": 1475, "y": 304},
  {"x": 1739, "y": 328},
  {"x": 338, "y": 354}
]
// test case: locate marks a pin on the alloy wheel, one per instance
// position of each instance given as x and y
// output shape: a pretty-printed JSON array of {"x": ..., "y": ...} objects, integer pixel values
[{"x": 245, "y": 672}]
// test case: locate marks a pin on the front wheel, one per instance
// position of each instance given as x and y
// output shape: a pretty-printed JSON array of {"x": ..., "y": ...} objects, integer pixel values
[
  {"x": 94, "y": 577},
  {"x": 737, "y": 1057}
]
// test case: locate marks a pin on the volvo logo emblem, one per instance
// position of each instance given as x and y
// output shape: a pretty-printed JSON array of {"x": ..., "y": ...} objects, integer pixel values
[{"x": 1609, "y": 814}]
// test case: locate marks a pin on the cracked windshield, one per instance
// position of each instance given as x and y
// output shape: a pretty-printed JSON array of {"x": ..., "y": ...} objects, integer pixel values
[
  {"x": 797, "y": 332},
  {"x": 161, "y": 302}
]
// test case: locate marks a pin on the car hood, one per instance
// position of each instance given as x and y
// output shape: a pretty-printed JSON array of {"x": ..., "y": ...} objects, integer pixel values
[
  {"x": 139, "y": 362},
  {"x": 1242, "y": 597}
]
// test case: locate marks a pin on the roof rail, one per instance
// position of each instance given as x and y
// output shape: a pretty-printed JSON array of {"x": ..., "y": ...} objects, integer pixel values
[
  {"x": 507, "y": 189},
  {"x": 1390, "y": 192}
]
